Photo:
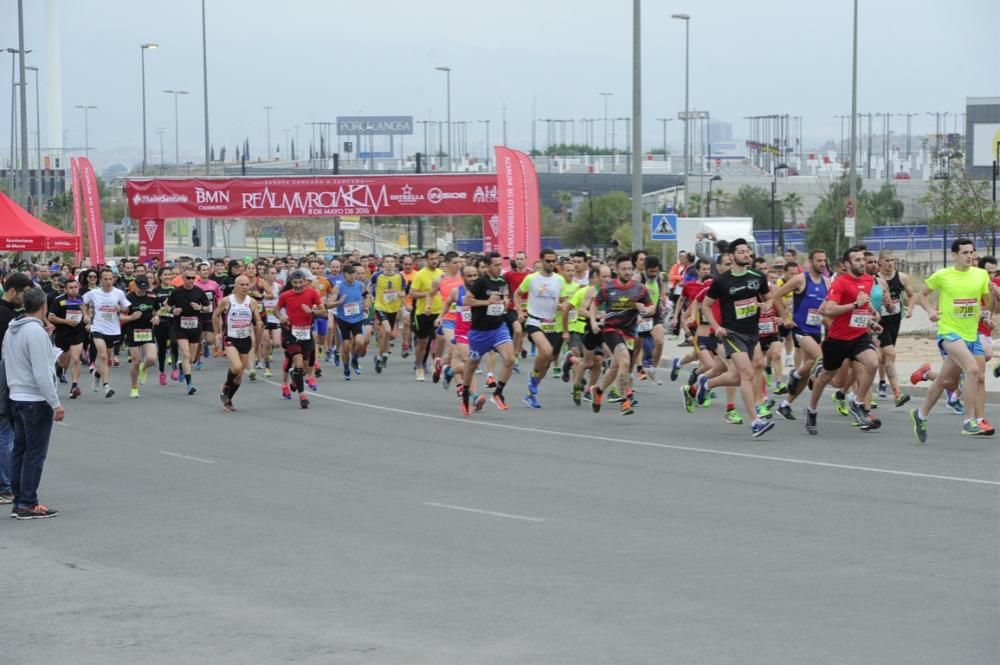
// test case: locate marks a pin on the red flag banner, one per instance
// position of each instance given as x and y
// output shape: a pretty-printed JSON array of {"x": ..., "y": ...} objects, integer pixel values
[
  {"x": 77, "y": 222},
  {"x": 151, "y": 239},
  {"x": 520, "y": 211},
  {"x": 491, "y": 233},
  {"x": 92, "y": 203},
  {"x": 313, "y": 196}
]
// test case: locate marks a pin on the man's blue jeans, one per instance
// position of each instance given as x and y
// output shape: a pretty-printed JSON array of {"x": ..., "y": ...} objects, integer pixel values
[
  {"x": 32, "y": 430},
  {"x": 6, "y": 448}
]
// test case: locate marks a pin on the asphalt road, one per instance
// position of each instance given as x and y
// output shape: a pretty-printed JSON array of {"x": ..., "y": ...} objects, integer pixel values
[{"x": 380, "y": 526}]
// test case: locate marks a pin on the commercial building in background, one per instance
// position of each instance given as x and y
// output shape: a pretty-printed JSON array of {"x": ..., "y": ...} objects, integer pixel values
[{"x": 982, "y": 129}]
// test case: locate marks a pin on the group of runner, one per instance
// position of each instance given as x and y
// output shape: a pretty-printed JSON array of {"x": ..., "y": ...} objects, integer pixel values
[{"x": 597, "y": 325}]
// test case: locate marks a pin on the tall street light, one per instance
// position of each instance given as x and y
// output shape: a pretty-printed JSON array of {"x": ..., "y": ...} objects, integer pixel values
[
  {"x": 177, "y": 125},
  {"x": 267, "y": 112},
  {"x": 447, "y": 73},
  {"x": 86, "y": 128},
  {"x": 664, "y": 121},
  {"x": 488, "y": 151},
  {"x": 708, "y": 204},
  {"x": 774, "y": 192},
  {"x": 852, "y": 175},
  {"x": 142, "y": 57},
  {"x": 606, "y": 95},
  {"x": 636, "y": 158},
  {"x": 38, "y": 126},
  {"x": 160, "y": 130},
  {"x": 687, "y": 108}
]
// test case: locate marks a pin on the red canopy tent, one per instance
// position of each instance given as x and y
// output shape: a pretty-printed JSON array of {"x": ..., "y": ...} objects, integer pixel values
[{"x": 21, "y": 232}]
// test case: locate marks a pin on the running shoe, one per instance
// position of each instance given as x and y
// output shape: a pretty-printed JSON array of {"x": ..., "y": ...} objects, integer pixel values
[
  {"x": 782, "y": 389},
  {"x": 971, "y": 428},
  {"x": 198, "y": 365},
  {"x": 577, "y": 393},
  {"x": 170, "y": 360},
  {"x": 175, "y": 374},
  {"x": 97, "y": 382},
  {"x": 652, "y": 372},
  {"x": 588, "y": 396},
  {"x": 224, "y": 398},
  {"x": 356, "y": 366},
  {"x": 385, "y": 360},
  {"x": 62, "y": 378},
  {"x": 347, "y": 374},
  {"x": 872, "y": 402},
  {"x": 841, "y": 404},
  {"x": 567, "y": 367},
  {"x": 557, "y": 372},
  {"x": 614, "y": 396},
  {"x": 516, "y": 367},
  {"x": 478, "y": 402},
  {"x": 303, "y": 402},
  {"x": 532, "y": 401},
  {"x": 163, "y": 379},
  {"x": 499, "y": 401},
  {"x": 956, "y": 406},
  {"x": 759, "y": 427},
  {"x": 786, "y": 412},
  {"x": 133, "y": 393},
  {"x": 763, "y": 412},
  {"x": 872, "y": 423},
  {"x": 267, "y": 372},
  {"x": 883, "y": 389},
  {"x": 336, "y": 359},
  {"x": 857, "y": 411},
  {"x": 626, "y": 408},
  {"x": 811, "y": 422},
  {"x": 689, "y": 404},
  {"x": 793, "y": 382},
  {"x": 769, "y": 376},
  {"x": 108, "y": 391},
  {"x": 532, "y": 385},
  {"x": 36, "y": 513},
  {"x": 329, "y": 355},
  {"x": 286, "y": 392},
  {"x": 191, "y": 389},
  {"x": 597, "y": 396},
  {"x": 702, "y": 389},
  {"x": 733, "y": 417},
  {"x": 919, "y": 426},
  {"x": 406, "y": 351},
  {"x": 6, "y": 499},
  {"x": 378, "y": 365},
  {"x": 438, "y": 367},
  {"x": 920, "y": 374},
  {"x": 115, "y": 361},
  {"x": 420, "y": 374},
  {"x": 675, "y": 368},
  {"x": 464, "y": 408},
  {"x": 74, "y": 392},
  {"x": 640, "y": 373},
  {"x": 448, "y": 375},
  {"x": 985, "y": 426},
  {"x": 311, "y": 384},
  {"x": 901, "y": 399}
]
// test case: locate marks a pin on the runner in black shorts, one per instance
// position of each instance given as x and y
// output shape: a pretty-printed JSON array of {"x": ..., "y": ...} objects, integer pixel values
[{"x": 187, "y": 303}]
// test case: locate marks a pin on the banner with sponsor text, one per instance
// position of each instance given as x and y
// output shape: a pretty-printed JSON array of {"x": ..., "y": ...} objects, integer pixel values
[
  {"x": 92, "y": 204},
  {"x": 77, "y": 222},
  {"x": 519, "y": 207},
  {"x": 151, "y": 239}
]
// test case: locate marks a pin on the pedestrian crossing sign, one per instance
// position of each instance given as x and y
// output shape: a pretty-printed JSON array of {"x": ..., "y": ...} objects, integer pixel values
[{"x": 664, "y": 227}]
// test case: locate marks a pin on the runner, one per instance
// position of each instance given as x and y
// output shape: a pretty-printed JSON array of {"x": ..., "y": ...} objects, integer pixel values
[
  {"x": 165, "y": 333},
  {"x": 898, "y": 299},
  {"x": 408, "y": 272},
  {"x": 141, "y": 319},
  {"x": 187, "y": 302},
  {"x": 518, "y": 271},
  {"x": 67, "y": 315},
  {"x": 849, "y": 338},
  {"x": 739, "y": 293},
  {"x": 298, "y": 305},
  {"x": 451, "y": 278},
  {"x": 213, "y": 291},
  {"x": 237, "y": 323},
  {"x": 651, "y": 330},
  {"x": 488, "y": 299},
  {"x": 103, "y": 308},
  {"x": 583, "y": 337},
  {"x": 389, "y": 289},
  {"x": 961, "y": 290},
  {"x": 351, "y": 301},
  {"x": 460, "y": 352},
  {"x": 426, "y": 310},
  {"x": 538, "y": 315}
]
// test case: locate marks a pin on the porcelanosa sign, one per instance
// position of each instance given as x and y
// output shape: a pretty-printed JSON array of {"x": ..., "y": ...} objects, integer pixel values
[
  {"x": 460, "y": 194},
  {"x": 374, "y": 124}
]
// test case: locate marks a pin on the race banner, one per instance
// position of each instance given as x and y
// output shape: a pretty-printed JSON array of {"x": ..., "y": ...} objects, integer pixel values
[
  {"x": 92, "y": 203},
  {"x": 77, "y": 223},
  {"x": 311, "y": 196},
  {"x": 520, "y": 211},
  {"x": 491, "y": 233},
  {"x": 151, "y": 232}
]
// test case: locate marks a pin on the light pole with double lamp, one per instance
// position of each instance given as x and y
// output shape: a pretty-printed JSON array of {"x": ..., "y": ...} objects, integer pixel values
[
  {"x": 447, "y": 72},
  {"x": 774, "y": 192},
  {"x": 86, "y": 127},
  {"x": 687, "y": 99},
  {"x": 142, "y": 57},
  {"x": 177, "y": 126}
]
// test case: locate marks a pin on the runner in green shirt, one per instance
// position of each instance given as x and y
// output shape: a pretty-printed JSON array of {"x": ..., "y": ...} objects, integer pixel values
[{"x": 961, "y": 288}]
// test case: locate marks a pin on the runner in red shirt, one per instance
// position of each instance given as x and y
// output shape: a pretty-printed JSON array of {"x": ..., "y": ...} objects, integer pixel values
[
  {"x": 297, "y": 306},
  {"x": 514, "y": 277}
]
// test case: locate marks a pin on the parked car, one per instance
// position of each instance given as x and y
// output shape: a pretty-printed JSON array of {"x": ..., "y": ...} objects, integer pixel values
[
  {"x": 940, "y": 175},
  {"x": 902, "y": 176}
]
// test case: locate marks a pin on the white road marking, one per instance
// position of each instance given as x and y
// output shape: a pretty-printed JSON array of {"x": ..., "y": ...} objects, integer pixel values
[
  {"x": 667, "y": 446},
  {"x": 193, "y": 459},
  {"x": 485, "y": 512}
]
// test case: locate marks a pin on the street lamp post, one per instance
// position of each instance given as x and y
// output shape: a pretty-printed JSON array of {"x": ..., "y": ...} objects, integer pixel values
[
  {"x": 606, "y": 95},
  {"x": 142, "y": 57},
  {"x": 177, "y": 126},
  {"x": 160, "y": 131},
  {"x": 687, "y": 108},
  {"x": 774, "y": 191},
  {"x": 708, "y": 206},
  {"x": 267, "y": 111},
  {"x": 38, "y": 126},
  {"x": 487, "y": 123},
  {"x": 447, "y": 73},
  {"x": 664, "y": 121},
  {"x": 86, "y": 127},
  {"x": 852, "y": 176}
]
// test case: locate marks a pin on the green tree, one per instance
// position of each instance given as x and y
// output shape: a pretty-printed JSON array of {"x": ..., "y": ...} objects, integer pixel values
[
  {"x": 963, "y": 202},
  {"x": 793, "y": 203},
  {"x": 755, "y": 202},
  {"x": 825, "y": 229},
  {"x": 590, "y": 229},
  {"x": 884, "y": 205}
]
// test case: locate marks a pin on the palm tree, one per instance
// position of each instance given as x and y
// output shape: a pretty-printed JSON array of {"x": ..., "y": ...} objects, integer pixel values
[
  {"x": 692, "y": 206},
  {"x": 793, "y": 203},
  {"x": 721, "y": 200}
]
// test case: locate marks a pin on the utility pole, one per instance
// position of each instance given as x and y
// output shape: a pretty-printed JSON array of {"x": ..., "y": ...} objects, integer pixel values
[{"x": 606, "y": 95}]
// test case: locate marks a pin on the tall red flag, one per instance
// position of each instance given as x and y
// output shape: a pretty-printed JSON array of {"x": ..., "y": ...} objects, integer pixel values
[
  {"x": 520, "y": 212},
  {"x": 532, "y": 208},
  {"x": 77, "y": 223},
  {"x": 92, "y": 201}
]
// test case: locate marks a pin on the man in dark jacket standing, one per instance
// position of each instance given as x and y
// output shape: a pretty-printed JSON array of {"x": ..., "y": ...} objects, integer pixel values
[{"x": 10, "y": 306}]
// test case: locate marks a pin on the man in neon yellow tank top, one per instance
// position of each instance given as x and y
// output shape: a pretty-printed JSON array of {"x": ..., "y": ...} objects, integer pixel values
[{"x": 961, "y": 289}]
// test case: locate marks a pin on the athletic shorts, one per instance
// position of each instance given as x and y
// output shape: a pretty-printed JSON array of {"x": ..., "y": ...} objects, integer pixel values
[
  {"x": 294, "y": 347},
  {"x": 816, "y": 337},
  {"x": 708, "y": 343},
  {"x": 447, "y": 324},
  {"x": 614, "y": 338},
  {"x": 423, "y": 326},
  {"x": 890, "y": 330},
  {"x": 321, "y": 325},
  {"x": 975, "y": 348},
  {"x": 349, "y": 330},
  {"x": 593, "y": 342},
  {"x": 192, "y": 335},
  {"x": 736, "y": 342},
  {"x": 64, "y": 342},
  {"x": 131, "y": 341},
  {"x": 243, "y": 345},
  {"x": 482, "y": 342},
  {"x": 271, "y": 325},
  {"x": 766, "y": 342},
  {"x": 381, "y": 316},
  {"x": 576, "y": 340},
  {"x": 555, "y": 339},
  {"x": 206, "y": 325},
  {"x": 109, "y": 340},
  {"x": 836, "y": 351}
]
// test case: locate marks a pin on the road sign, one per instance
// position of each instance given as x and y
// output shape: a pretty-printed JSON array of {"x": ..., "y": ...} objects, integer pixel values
[
  {"x": 273, "y": 231},
  {"x": 330, "y": 242},
  {"x": 663, "y": 227}
]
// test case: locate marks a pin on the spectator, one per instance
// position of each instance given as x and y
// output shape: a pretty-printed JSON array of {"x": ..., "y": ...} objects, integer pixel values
[
  {"x": 34, "y": 402},
  {"x": 675, "y": 277},
  {"x": 10, "y": 304}
]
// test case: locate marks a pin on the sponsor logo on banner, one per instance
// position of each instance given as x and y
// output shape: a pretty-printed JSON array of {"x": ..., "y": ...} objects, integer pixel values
[
  {"x": 363, "y": 199},
  {"x": 150, "y": 228},
  {"x": 159, "y": 198},
  {"x": 407, "y": 198},
  {"x": 435, "y": 195},
  {"x": 487, "y": 194}
]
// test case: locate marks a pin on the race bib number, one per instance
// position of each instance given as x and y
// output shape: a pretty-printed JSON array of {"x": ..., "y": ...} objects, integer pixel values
[
  {"x": 572, "y": 315},
  {"x": 547, "y": 326},
  {"x": 892, "y": 307},
  {"x": 466, "y": 313},
  {"x": 645, "y": 325},
  {"x": 239, "y": 327},
  {"x": 814, "y": 318},
  {"x": 75, "y": 315},
  {"x": 302, "y": 333},
  {"x": 860, "y": 318},
  {"x": 965, "y": 308},
  {"x": 767, "y": 327},
  {"x": 143, "y": 335},
  {"x": 189, "y": 322},
  {"x": 390, "y": 296},
  {"x": 107, "y": 314},
  {"x": 352, "y": 309},
  {"x": 496, "y": 309},
  {"x": 746, "y": 308}
]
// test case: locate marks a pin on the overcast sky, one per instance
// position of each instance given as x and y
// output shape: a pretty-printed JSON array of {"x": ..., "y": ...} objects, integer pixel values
[{"x": 313, "y": 60}]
